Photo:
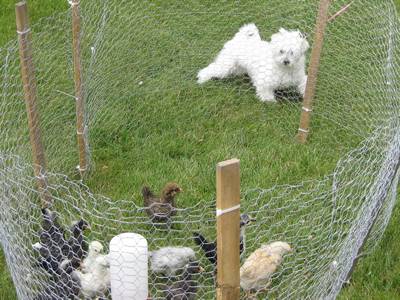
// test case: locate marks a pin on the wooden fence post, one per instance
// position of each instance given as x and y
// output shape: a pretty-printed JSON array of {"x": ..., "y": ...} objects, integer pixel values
[
  {"x": 228, "y": 231},
  {"x": 30, "y": 96},
  {"x": 80, "y": 105},
  {"x": 309, "y": 94}
]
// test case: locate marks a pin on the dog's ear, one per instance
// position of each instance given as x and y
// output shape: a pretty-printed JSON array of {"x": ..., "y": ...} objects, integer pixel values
[
  {"x": 303, "y": 35},
  {"x": 275, "y": 37},
  {"x": 304, "y": 45},
  {"x": 278, "y": 35}
]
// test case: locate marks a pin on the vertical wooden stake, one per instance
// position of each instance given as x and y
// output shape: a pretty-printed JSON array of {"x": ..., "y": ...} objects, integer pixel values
[
  {"x": 80, "y": 105},
  {"x": 309, "y": 94},
  {"x": 30, "y": 96},
  {"x": 228, "y": 231}
]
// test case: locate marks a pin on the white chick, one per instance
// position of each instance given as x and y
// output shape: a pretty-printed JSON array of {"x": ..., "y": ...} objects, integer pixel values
[
  {"x": 256, "y": 272},
  {"x": 169, "y": 260},
  {"x": 95, "y": 283},
  {"x": 95, "y": 250}
]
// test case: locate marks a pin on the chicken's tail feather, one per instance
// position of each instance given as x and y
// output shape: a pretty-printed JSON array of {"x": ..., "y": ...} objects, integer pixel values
[
  {"x": 199, "y": 239},
  {"x": 146, "y": 192}
]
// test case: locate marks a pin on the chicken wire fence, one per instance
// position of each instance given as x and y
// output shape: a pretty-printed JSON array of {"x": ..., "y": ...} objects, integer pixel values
[{"x": 139, "y": 64}]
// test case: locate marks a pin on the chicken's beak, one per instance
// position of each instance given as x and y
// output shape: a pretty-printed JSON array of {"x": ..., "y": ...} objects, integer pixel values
[{"x": 201, "y": 269}]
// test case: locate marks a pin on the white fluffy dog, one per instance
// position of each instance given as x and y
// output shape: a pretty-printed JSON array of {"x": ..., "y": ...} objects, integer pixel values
[{"x": 270, "y": 65}]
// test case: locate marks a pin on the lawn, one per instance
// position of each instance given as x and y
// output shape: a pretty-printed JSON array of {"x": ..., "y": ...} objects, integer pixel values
[{"x": 176, "y": 139}]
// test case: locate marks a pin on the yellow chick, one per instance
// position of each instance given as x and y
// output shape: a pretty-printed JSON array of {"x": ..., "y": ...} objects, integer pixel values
[{"x": 256, "y": 271}]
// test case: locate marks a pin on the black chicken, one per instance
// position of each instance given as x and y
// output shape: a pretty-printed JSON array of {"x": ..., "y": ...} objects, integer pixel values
[
  {"x": 60, "y": 256},
  {"x": 210, "y": 248},
  {"x": 186, "y": 288}
]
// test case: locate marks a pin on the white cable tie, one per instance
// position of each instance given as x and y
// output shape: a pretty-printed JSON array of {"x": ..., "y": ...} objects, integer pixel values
[
  {"x": 23, "y": 32},
  {"x": 41, "y": 176},
  {"x": 80, "y": 132},
  {"x": 221, "y": 212},
  {"x": 306, "y": 109},
  {"x": 72, "y": 3},
  {"x": 303, "y": 130},
  {"x": 78, "y": 167}
]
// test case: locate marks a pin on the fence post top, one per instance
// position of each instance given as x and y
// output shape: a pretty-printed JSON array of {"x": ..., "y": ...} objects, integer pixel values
[
  {"x": 21, "y": 3},
  {"x": 21, "y": 12},
  {"x": 228, "y": 162}
]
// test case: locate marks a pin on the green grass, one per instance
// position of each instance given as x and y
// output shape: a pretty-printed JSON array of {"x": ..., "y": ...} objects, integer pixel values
[{"x": 178, "y": 140}]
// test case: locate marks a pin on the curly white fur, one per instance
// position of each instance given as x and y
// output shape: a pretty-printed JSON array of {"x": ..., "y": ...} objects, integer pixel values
[{"x": 271, "y": 65}]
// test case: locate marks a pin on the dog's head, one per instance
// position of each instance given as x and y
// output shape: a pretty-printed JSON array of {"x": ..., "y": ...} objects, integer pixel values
[{"x": 288, "y": 47}]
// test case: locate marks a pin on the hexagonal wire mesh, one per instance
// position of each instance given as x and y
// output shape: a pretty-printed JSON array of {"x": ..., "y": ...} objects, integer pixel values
[{"x": 139, "y": 64}]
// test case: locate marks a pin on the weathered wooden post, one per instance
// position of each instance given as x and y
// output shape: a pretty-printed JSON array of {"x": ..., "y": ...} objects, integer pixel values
[
  {"x": 30, "y": 95},
  {"x": 80, "y": 105},
  {"x": 228, "y": 231},
  {"x": 313, "y": 68}
]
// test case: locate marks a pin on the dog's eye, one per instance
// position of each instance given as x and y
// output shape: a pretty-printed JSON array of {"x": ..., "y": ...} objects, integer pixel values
[{"x": 282, "y": 51}]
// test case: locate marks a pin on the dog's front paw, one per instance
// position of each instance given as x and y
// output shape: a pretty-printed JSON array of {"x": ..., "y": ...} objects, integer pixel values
[
  {"x": 202, "y": 76},
  {"x": 266, "y": 96}
]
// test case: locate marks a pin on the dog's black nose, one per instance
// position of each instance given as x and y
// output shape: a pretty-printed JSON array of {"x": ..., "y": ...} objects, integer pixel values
[{"x": 286, "y": 62}]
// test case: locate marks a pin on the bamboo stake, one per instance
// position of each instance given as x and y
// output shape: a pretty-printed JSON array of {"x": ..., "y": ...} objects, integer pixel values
[
  {"x": 80, "y": 105},
  {"x": 30, "y": 96},
  {"x": 309, "y": 94},
  {"x": 228, "y": 231}
]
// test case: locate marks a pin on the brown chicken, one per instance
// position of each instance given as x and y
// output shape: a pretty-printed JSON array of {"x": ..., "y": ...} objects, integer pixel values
[{"x": 161, "y": 209}]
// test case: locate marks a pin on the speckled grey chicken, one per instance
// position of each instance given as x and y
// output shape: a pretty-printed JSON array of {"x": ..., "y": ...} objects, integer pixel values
[
  {"x": 186, "y": 288},
  {"x": 161, "y": 208}
]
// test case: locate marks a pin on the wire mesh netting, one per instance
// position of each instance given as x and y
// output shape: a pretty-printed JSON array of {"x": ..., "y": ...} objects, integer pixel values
[{"x": 148, "y": 121}]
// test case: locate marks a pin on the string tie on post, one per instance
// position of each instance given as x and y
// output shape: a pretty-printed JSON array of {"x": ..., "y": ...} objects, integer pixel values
[
  {"x": 23, "y": 32},
  {"x": 72, "y": 3},
  {"x": 303, "y": 130},
  {"x": 221, "y": 212}
]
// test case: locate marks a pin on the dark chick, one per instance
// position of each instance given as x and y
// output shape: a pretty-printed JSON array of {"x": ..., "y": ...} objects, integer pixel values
[
  {"x": 48, "y": 257},
  {"x": 210, "y": 248},
  {"x": 186, "y": 287},
  {"x": 77, "y": 244},
  {"x": 161, "y": 208},
  {"x": 60, "y": 256},
  {"x": 52, "y": 240},
  {"x": 50, "y": 220},
  {"x": 51, "y": 226}
]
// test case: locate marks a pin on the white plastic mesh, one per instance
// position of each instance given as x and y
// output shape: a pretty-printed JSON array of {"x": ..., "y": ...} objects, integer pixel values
[{"x": 140, "y": 60}]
